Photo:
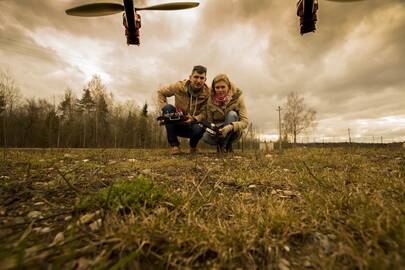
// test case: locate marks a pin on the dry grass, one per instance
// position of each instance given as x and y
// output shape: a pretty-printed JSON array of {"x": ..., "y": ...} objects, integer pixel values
[{"x": 138, "y": 209}]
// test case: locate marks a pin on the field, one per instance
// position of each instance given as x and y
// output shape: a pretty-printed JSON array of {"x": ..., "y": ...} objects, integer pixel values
[{"x": 340, "y": 208}]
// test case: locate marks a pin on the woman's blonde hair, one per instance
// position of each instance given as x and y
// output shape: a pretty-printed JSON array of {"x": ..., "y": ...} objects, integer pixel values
[{"x": 218, "y": 78}]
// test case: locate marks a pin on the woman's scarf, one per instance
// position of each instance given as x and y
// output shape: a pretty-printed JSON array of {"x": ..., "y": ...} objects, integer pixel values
[{"x": 221, "y": 101}]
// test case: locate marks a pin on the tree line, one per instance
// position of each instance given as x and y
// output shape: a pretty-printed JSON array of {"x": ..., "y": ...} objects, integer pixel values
[{"x": 92, "y": 120}]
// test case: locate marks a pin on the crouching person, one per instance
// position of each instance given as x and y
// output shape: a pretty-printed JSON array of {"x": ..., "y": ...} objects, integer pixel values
[
  {"x": 225, "y": 108},
  {"x": 190, "y": 97}
]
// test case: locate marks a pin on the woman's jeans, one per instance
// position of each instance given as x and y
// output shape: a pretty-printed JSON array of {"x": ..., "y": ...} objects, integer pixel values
[
  {"x": 192, "y": 131},
  {"x": 232, "y": 136}
]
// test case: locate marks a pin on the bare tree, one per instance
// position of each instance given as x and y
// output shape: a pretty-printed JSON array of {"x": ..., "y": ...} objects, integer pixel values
[
  {"x": 10, "y": 94},
  {"x": 297, "y": 116}
]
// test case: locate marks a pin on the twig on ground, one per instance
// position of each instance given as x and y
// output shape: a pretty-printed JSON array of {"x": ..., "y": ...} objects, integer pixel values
[
  {"x": 311, "y": 173},
  {"x": 78, "y": 192}
]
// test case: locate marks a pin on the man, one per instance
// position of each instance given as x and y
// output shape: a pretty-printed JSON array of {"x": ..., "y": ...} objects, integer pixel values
[{"x": 190, "y": 96}]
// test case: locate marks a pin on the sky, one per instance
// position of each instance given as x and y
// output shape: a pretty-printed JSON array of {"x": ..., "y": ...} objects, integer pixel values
[{"x": 351, "y": 70}]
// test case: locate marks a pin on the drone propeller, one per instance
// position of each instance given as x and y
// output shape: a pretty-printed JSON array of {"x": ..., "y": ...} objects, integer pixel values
[
  {"x": 170, "y": 6},
  {"x": 344, "y": 1},
  {"x": 95, "y": 9},
  {"x": 102, "y": 9}
]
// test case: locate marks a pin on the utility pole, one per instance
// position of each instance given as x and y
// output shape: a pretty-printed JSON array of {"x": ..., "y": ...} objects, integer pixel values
[
  {"x": 350, "y": 139},
  {"x": 279, "y": 127}
]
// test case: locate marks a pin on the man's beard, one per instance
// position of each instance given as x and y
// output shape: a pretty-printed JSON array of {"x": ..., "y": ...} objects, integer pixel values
[{"x": 194, "y": 91}]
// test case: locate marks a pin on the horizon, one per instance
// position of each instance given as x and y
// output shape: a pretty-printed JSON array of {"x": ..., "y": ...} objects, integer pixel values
[{"x": 355, "y": 60}]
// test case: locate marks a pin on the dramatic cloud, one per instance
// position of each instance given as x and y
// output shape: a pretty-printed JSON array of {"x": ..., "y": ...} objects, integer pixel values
[{"x": 350, "y": 70}]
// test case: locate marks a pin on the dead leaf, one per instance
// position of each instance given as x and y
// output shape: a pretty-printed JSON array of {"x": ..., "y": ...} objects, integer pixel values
[
  {"x": 95, "y": 225},
  {"x": 58, "y": 238},
  {"x": 34, "y": 214},
  {"x": 86, "y": 218},
  {"x": 284, "y": 264},
  {"x": 83, "y": 264}
]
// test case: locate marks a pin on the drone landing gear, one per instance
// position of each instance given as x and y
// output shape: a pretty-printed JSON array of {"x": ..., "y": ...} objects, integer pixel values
[
  {"x": 132, "y": 33},
  {"x": 306, "y": 10},
  {"x": 132, "y": 38}
]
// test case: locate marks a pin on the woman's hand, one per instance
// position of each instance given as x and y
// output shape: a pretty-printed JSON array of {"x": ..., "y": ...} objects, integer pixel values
[
  {"x": 226, "y": 129},
  {"x": 189, "y": 119}
]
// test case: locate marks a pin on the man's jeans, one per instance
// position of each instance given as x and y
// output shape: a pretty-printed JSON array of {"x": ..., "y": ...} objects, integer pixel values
[
  {"x": 192, "y": 131},
  {"x": 232, "y": 136}
]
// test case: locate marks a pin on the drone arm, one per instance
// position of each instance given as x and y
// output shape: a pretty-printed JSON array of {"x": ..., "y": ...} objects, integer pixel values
[{"x": 130, "y": 15}]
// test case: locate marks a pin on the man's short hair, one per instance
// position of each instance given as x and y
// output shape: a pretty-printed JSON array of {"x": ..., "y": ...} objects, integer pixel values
[{"x": 199, "y": 69}]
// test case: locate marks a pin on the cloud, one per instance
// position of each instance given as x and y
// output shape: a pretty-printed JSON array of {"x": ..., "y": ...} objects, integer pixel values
[{"x": 351, "y": 68}]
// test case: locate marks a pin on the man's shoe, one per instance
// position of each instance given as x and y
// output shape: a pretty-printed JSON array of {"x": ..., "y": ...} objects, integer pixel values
[
  {"x": 175, "y": 150},
  {"x": 194, "y": 150},
  {"x": 220, "y": 149},
  {"x": 229, "y": 148}
]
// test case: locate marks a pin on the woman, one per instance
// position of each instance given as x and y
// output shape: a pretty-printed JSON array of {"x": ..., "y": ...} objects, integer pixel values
[{"x": 226, "y": 109}]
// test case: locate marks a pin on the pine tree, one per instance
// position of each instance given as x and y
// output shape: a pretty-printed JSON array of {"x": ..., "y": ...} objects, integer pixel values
[{"x": 86, "y": 104}]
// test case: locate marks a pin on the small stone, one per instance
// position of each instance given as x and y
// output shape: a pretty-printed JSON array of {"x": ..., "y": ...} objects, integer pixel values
[
  {"x": 273, "y": 192},
  {"x": 2, "y": 212},
  {"x": 67, "y": 218},
  {"x": 286, "y": 248},
  {"x": 34, "y": 214},
  {"x": 252, "y": 186},
  {"x": 268, "y": 156},
  {"x": 131, "y": 160},
  {"x": 307, "y": 264},
  {"x": 85, "y": 160}
]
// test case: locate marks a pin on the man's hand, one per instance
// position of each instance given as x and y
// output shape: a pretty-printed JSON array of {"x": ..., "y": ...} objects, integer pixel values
[
  {"x": 225, "y": 130},
  {"x": 189, "y": 119}
]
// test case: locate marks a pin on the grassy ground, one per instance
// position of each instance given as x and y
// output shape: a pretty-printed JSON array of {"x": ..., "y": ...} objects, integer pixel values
[{"x": 144, "y": 209}]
